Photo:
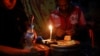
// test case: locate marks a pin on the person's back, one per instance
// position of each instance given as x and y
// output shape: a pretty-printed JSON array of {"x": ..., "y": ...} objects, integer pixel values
[{"x": 12, "y": 23}]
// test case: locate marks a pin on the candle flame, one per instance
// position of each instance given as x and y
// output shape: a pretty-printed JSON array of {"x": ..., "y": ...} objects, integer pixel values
[{"x": 50, "y": 27}]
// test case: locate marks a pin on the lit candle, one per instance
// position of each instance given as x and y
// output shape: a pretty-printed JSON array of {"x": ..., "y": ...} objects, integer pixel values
[{"x": 50, "y": 27}]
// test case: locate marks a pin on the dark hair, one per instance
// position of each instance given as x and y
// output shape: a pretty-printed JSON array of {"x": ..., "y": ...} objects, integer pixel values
[
  {"x": 19, "y": 4},
  {"x": 68, "y": 1}
]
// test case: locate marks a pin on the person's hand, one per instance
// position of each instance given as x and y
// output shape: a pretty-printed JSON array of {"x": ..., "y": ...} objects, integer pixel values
[
  {"x": 29, "y": 52},
  {"x": 35, "y": 36},
  {"x": 25, "y": 51},
  {"x": 59, "y": 32}
]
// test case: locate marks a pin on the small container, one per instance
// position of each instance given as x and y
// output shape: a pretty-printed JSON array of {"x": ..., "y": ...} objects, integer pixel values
[{"x": 67, "y": 37}]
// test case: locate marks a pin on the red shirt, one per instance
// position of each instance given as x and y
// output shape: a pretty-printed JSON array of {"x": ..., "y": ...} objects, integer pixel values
[{"x": 66, "y": 23}]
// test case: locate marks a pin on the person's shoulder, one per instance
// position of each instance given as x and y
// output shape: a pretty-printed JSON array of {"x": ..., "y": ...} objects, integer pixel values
[
  {"x": 55, "y": 11},
  {"x": 77, "y": 8}
]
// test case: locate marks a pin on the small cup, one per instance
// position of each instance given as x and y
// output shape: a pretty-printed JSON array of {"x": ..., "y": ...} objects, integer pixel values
[{"x": 67, "y": 37}]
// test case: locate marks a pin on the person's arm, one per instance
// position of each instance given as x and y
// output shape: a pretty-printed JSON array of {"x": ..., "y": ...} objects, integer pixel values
[
  {"x": 90, "y": 31},
  {"x": 12, "y": 51},
  {"x": 82, "y": 19}
]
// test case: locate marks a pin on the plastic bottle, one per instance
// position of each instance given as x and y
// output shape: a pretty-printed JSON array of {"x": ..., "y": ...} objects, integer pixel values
[{"x": 29, "y": 36}]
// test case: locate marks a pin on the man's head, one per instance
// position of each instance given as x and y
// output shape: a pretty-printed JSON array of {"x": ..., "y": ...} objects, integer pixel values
[
  {"x": 9, "y": 4},
  {"x": 63, "y": 4}
]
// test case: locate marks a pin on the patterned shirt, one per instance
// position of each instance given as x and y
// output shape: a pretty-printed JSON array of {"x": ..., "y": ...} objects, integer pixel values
[{"x": 68, "y": 22}]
